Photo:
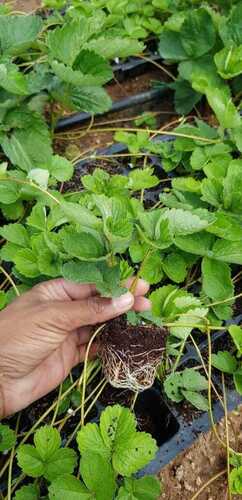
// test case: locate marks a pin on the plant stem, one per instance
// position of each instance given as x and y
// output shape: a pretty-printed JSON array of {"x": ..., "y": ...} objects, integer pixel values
[
  {"x": 3, "y": 271},
  {"x": 85, "y": 372},
  {"x": 157, "y": 132},
  {"x": 12, "y": 455},
  {"x": 214, "y": 478},
  {"x": 227, "y": 436},
  {"x": 57, "y": 405}
]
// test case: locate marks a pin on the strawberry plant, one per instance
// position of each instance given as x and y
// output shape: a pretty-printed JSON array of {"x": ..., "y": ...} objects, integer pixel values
[{"x": 109, "y": 451}]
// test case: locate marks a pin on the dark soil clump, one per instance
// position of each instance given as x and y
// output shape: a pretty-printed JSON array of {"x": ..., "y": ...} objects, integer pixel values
[{"x": 130, "y": 354}]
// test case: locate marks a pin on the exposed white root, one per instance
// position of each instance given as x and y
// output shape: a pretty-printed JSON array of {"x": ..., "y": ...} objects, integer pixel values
[{"x": 127, "y": 370}]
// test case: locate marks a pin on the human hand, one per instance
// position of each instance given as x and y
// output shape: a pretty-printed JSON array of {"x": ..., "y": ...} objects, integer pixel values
[{"x": 44, "y": 334}]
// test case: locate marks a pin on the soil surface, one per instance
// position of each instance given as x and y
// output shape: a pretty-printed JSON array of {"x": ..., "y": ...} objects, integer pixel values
[
  {"x": 25, "y": 5},
  {"x": 206, "y": 458},
  {"x": 130, "y": 354}
]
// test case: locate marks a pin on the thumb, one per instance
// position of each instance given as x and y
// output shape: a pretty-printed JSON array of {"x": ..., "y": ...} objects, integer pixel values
[{"x": 92, "y": 310}]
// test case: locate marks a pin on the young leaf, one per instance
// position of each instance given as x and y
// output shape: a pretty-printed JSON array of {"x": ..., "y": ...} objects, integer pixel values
[
  {"x": 130, "y": 455},
  {"x": 116, "y": 424},
  {"x": 47, "y": 441},
  {"x": 7, "y": 438},
  {"x": 175, "y": 267},
  {"x": 145, "y": 488},
  {"x": 98, "y": 475},
  {"x": 172, "y": 387},
  {"x": 30, "y": 492},
  {"x": 196, "y": 399},
  {"x": 15, "y": 233},
  {"x": 60, "y": 168},
  {"x": 142, "y": 179},
  {"x": 152, "y": 269},
  {"x": 193, "y": 381},
  {"x": 68, "y": 487},
  {"x": 26, "y": 263},
  {"x": 89, "y": 439},
  {"x": 225, "y": 362},
  {"x": 12, "y": 80}
]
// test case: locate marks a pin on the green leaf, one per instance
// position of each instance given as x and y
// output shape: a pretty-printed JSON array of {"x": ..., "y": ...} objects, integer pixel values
[
  {"x": 61, "y": 168},
  {"x": 170, "y": 46},
  {"x": 30, "y": 492},
  {"x": 47, "y": 441},
  {"x": 88, "y": 99},
  {"x": 186, "y": 184},
  {"x": 198, "y": 244},
  {"x": 17, "y": 33},
  {"x": 217, "y": 282},
  {"x": 228, "y": 61},
  {"x": 227, "y": 251},
  {"x": 237, "y": 377},
  {"x": 12, "y": 80},
  {"x": 9, "y": 192},
  {"x": 172, "y": 387},
  {"x": 89, "y": 439},
  {"x": 39, "y": 176},
  {"x": 109, "y": 48},
  {"x": 7, "y": 438},
  {"x": 30, "y": 147},
  {"x": 236, "y": 334},
  {"x": 68, "y": 488},
  {"x": 15, "y": 233},
  {"x": 226, "y": 226},
  {"x": 145, "y": 488},
  {"x": 196, "y": 399},
  {"x": 142, "y": 179},
  {"x": 175, "y": 267},
  {"x": 193, "y": 381},
  {"x": 26, "y": 263},
  {"x": 185, "y": 97},
  {"x": 37, "y": 218},
  {"x": 30, "y": 461},
  {"x": 235, "y": 481},
  {"x": 79, "y": 215},
  {"x": 131, "y": 455},
  {"x": 3, "y": 300},
  {"x": 152, "y": 268},
  {"x": 225, "y": 362},
  {"x": 98, "y": 475},
  {"x": 182, "y": 222},
  {"x": 233, "y": 187},
  {"x": 198, "y": 33},
  {"x": 83, "y": 245},
  {"x": 91, "y": 63},
  {"x": 46, "y": 458},
  {"x": 116, "y": 425},
  {"x": 65, "y": 42}
]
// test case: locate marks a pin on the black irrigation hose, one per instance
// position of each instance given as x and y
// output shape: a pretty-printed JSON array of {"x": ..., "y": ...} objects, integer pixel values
[{"x": 127, "y": 102}]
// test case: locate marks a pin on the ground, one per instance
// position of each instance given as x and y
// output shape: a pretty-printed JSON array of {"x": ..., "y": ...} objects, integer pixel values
[
  {"x": 196, "y": 466},
  {"x": 192, "y": 469}
]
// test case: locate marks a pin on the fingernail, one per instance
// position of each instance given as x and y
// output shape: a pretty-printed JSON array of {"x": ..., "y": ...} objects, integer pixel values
[{"x": 123, "y": 303}]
